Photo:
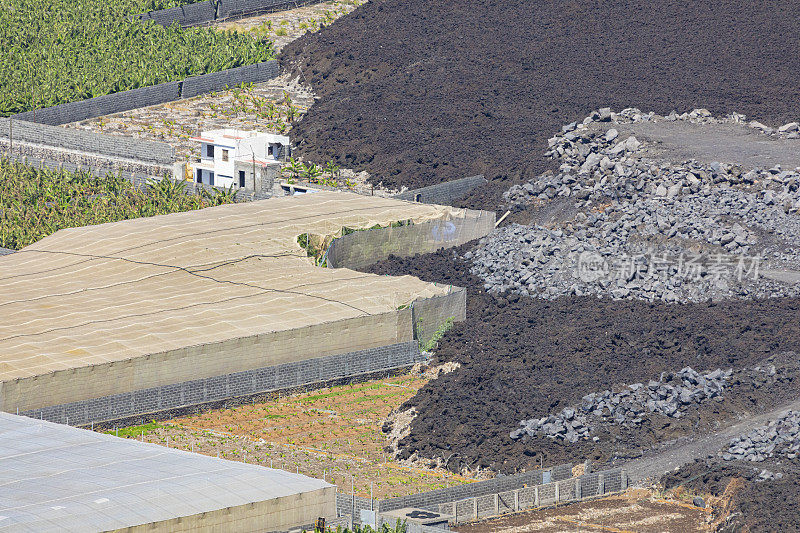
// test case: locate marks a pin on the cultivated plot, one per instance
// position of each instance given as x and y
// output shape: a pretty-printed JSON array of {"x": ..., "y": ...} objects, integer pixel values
[{"x": 332, "y": 433}]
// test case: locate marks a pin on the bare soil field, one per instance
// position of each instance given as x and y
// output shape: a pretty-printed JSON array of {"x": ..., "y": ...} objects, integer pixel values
[
  {"x": 523, "y": 358},
  {"x": 332, "y": 433},
  {"x": 418, "y": 93},
  {"x": 634, "y": 511}
]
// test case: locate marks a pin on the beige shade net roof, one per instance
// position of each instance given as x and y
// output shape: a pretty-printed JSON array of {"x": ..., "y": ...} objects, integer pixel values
[{"x": 91, "y": 295}]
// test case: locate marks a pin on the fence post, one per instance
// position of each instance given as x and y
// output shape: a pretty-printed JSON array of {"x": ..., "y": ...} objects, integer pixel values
[
  {"x": 623, "y": 479},
  {"x": 516, "y": 500},
  {"x": 557, "y": 491},
  {"x": 536, "y": 496},
  {"x": 601, "y": 489},
  {"x": 578, "y": 488},
  {"x": 496, "y": 504},
  {"x": 475, "y": 504}
]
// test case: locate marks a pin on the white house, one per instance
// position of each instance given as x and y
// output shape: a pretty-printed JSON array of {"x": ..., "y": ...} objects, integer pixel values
[{"x": 240, "y": 158}]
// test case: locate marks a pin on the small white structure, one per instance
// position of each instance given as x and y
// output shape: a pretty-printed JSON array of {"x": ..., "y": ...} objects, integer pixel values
[{"x": 245, "y": 159}]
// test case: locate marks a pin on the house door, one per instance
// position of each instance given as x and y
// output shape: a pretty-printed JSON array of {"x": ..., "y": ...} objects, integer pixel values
[{"x": 241, "y": 179}]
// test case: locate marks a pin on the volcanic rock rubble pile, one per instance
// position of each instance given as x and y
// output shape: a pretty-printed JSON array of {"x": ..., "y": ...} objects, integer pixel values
[
  {"x": 645, "y": 229},
  {"x": 670, "y": 396},
  {"x": 780, "y": 437}
]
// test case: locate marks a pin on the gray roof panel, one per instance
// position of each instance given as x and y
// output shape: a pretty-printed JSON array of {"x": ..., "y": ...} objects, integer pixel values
[{"x": 60, "y": 478}]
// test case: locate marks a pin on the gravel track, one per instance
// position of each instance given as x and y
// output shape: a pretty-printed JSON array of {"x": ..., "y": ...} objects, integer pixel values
[{"x": 653, "y": 466}]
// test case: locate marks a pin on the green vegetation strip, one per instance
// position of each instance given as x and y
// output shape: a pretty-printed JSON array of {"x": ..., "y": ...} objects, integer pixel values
[
  {"x": 35, "y": 202},
  {"x": 58, "y": 51},
  {"x": 433, "y": 342},
  {"x": 133, "y": 432},
  {"x": 344, "y": 391}
]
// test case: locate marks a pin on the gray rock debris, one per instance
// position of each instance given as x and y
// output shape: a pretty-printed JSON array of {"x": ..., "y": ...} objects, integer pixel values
[
  {"x": 597, "y": 165},
  {"x": 652, "y": 230},
  {"x": 671, "y": 396},
  {"x": 780, "y": 437}
]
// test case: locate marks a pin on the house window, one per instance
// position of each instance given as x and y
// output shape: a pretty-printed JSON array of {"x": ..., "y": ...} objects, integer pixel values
[
  {"x": 209, "y": 150},
  {"x": 241, "y": 178},
  {"x": 224, "y": 155}
]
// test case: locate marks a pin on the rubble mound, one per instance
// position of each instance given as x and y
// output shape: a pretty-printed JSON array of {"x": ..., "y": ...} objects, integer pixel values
[
  {"x": 781, "y": 437},
  {"x": 670, "y": 396},
  {"x": 648, "y": 229}
]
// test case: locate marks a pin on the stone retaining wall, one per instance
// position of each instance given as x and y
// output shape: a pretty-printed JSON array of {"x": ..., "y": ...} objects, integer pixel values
[{"x": 18, "y": 131}]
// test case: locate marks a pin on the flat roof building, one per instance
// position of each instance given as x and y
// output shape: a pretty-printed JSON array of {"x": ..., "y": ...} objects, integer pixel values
[
  {"x": 243, "y": 159},
  {"x": 59, "y": 478}
]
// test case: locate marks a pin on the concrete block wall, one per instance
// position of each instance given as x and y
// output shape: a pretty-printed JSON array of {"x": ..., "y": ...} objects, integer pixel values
[
  {"x": 216, "y": 81},
  {"x": 147, "y": 96},
  {"x": 535, "y": 496},
  {"x": 614, "y": 481},
  {"x": 238, "y": 8},
  {"x": 432, "y": 499},
  {"x": 21, "y": 132},
  {"x": 188, "y": 15},
  {"x": 547, "y": 494},
  {"x": 139, "y": 175},
  {"x": 104, "y": 105},
  {"x": 346, "y": 504},
  {"x": 205, "y": 12},
  {"x": 201, "y": 391},
  {"x": 443, "y": 500},
  {"x": 55, "y": 158},
  {"x": 443, "y": 193},
  {"x": 559, "y": 472}
]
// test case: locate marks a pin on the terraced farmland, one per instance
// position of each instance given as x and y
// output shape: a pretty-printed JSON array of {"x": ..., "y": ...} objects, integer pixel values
[
  {"x": 57, "y": 52},
  {"x": 35, "y": 202}
]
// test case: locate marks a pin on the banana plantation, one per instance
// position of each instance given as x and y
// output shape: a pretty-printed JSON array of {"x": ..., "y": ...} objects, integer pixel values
[
  {"x": 35, "y": 202},
  {"x": 58, "y": 51}
]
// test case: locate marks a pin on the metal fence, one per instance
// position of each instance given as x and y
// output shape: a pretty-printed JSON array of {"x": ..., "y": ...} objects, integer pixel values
[
  {"x": 494, "y": 497},
  {"x": 532, "y": 497}
]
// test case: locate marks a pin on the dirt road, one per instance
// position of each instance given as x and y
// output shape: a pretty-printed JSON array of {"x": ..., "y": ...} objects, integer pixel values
[{"x": 652, "y": 466}]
